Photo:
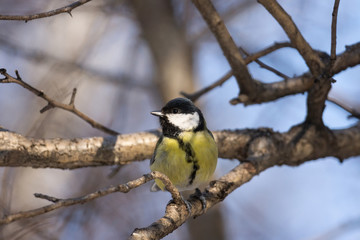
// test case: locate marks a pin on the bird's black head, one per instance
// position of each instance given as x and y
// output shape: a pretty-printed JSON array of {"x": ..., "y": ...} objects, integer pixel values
[{"x": 178, "y": 115}]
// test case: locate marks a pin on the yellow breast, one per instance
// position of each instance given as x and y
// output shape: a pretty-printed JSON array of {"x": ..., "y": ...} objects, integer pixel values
[{"x": 188, "y": 161}]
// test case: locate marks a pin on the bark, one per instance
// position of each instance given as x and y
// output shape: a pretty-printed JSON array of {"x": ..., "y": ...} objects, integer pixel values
[{"x": 301, "y": 143}]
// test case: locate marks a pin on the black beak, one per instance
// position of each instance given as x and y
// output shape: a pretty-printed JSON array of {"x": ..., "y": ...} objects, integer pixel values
[{"x": 157, "y": 113}]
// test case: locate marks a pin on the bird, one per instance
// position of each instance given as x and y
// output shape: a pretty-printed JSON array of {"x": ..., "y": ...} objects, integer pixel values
[{"x": 186, "y": 152}]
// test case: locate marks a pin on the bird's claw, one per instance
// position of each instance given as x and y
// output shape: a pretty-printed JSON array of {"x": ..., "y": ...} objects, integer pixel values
[
  {"x": 183, "y": 201},
  {"x": 201, "y": 197}
]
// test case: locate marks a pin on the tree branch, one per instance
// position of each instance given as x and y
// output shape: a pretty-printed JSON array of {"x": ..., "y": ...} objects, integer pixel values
[
  {"x": 261, "y": 148},
  {"x": 228, "y": 75},
  {"x": 333, "y": 32},
  {"x": 124, "y": 188},
  {"x": 194, "y": 96},
  {"x": 312, "y": 59},
  {"x": 272, "y": 91},
  {"x": 26, "y": 18},
  {"x": 265, "y": 66},
  {"x": 16, "y": 150},
  {"x": 350, "y": 110},
  {"x": 246, "y": 83},
  {"x": 263, "y": 152},
  {"x": 349, "y": 58},
  {"x": 54, "y": 104},
  {"x": 276, "y": 90}
]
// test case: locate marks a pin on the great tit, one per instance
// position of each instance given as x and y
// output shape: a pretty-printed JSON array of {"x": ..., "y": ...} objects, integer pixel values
[{"x": 186, "y": 152}]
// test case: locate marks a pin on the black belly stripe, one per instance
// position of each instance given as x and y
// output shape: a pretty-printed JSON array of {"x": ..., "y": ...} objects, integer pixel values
[{"x": 190, "y": 158}]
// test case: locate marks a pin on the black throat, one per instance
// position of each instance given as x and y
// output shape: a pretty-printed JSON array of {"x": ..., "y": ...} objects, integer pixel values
[{"x": 172, "y": 131}]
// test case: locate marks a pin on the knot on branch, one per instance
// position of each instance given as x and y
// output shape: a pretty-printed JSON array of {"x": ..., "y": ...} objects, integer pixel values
[
  {"x": 260, "y": 147},
  {"x": 304, "y": 138}
]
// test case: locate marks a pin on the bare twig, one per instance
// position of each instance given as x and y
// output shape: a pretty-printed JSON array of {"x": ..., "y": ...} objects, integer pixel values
[
  {"x": 249, "y": 59},
  {"x": 312, "y": 59},
  {"x": 350, "y": 110},
  {"x": 26, "y": 18},
  {"x": 265, "y": 66},
  {"x": 72, "y": 99},
  {"x": 246, "y": 83},
  {"x": 124, "y": 188},
  {"x": 52, "y": 103},
  {"x": 194, "y": 96},
  {"x": 333, "y": 32}
]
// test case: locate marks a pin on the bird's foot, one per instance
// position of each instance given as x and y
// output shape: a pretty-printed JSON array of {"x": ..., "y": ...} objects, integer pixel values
[
  {"x": 182, "y": 201},
  {"x": 198, "y": 194}
]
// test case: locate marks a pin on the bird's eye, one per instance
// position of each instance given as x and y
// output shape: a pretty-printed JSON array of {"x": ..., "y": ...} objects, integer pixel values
[{"x": 175, "y": 110}]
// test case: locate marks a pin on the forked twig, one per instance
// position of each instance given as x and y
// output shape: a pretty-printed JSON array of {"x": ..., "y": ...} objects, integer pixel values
[
  {"x": 194, "y": 96},
  {"x": 265, "y": 66},
  {"x": 53, "y": 103}
]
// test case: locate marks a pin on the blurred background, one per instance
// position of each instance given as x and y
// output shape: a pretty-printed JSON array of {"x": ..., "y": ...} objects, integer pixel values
[{"x": 127, "y": 58}]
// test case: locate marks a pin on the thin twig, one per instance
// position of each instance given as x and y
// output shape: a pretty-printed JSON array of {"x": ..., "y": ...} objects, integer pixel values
[
  {"x": 124, "y": 188},
  {"x": 333, "y": 32},
  {"x": 265, "y": 66},
  {"x": 26, "y": 18},
  {"x": 72, "y": 99},
  {"x": 194, "y": 96},
  {"x": 350, "y": 110},
  {"x": 53, "y": 103},
  {"x": 227, "y": 76}
]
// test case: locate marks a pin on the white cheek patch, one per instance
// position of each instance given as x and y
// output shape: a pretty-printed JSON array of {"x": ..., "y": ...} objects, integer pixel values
[{"x": 184, "y": 121}]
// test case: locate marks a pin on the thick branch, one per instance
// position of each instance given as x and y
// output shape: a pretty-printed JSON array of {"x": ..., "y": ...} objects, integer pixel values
[
  {"x": 263, "y": 148},
  {"x": 16, "y": 150},
  {"x": 66, "y": 9},
  {"x": 264, "y": 151},
  {"x": 276, "y": 90},
  {"x": 272, "y": 91},
  {"x": 312, "y": 60},
  {"x": 55, "y": 104},
  {"x": 228, "y": 46},
  {"x": 349, "y": 58},
  {"x": 315, "y": 101}
]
